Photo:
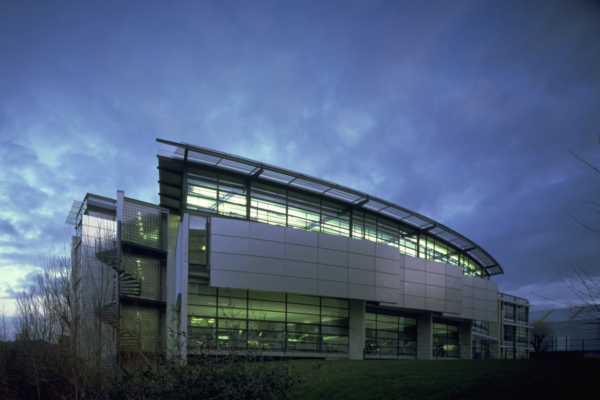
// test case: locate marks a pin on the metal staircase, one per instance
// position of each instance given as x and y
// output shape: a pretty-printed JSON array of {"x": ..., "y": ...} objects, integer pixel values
[{"x": 106, "y": 252}]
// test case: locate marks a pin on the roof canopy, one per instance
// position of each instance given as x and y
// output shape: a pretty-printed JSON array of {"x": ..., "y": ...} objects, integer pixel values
[{"x": 171, "y": 190}]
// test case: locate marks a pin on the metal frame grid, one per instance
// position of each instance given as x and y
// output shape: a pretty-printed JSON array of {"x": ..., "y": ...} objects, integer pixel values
[
  {"x": 142, "y": 225},
  {"x": 254, "y": 169},
  {"x": 377, "y": 338},
  {"x": 224, "y": 312},
  {"x": 146, "y": 270}
]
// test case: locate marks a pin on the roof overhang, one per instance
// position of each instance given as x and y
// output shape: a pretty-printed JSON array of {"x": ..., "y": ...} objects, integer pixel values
[{"x": 172, "y": 178}]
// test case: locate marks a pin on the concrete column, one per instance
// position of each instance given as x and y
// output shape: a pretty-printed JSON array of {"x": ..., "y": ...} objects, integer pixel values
[
  {"x": 424, "y": 336},
  {"x": 495, "y": 350},
  {"x": 120, "y": 201},
  {"x": 465, "y": 340},
  {"x": 357, "y": 329},
  {"x": 173, "y": 321}
]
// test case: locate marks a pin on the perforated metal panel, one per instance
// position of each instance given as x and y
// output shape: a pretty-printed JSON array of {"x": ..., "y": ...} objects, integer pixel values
[
  {"x": 143, "y": 225},
  {"x": 146, "y": 271}
]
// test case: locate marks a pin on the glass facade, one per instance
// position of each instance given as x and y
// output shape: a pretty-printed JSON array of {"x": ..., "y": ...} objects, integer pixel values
[
  {"x": 445, "y": 340},
  {"x": 481, "y": 349},
  {"x": 229, "y": 195},
  {"x": 197, "y": 241},
  {"x": 389, "y": 333},
  {"x": 142, "y": 225},
  {"x": 267, "y": 321}
]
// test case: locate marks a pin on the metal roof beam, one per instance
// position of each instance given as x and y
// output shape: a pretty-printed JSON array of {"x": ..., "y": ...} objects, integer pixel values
[
  {"x": 169, "y": 197},
  {"x": 170, "y": 171},
  {"x": 169, "y": 185}
]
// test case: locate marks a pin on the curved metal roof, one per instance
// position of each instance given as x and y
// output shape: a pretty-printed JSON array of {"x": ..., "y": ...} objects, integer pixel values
[{"x": 251, "y": 168}]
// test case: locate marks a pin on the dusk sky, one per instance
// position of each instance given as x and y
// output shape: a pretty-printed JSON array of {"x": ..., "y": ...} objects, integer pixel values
[{"x": 464, "y": 111}]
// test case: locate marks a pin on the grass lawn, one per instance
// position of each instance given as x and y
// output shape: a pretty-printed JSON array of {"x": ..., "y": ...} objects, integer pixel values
[{"x": 451, "y": 379}]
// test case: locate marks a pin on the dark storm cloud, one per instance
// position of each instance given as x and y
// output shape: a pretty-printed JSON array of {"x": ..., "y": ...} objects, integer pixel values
[{"x": 462, "y": 111}]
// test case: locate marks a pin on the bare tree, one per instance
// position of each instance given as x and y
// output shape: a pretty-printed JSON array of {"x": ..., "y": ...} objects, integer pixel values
[{"x": 541, "y": 330}]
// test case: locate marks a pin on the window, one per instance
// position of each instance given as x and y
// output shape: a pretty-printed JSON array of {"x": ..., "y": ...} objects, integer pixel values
[
  {"x": 390, "y": 333},
  {"x": 197, "y": 238},
  {"x": 226, "y": 194},
  {"x": 248, "y": 319},
  {"x": 445, "y": 339}
]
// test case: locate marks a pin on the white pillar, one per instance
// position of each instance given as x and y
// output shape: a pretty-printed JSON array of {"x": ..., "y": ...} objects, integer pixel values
[
  {"x": 357, "y": 329},
  {"x": 465, "y": 340},
  {"x": 424, "y": 336}
]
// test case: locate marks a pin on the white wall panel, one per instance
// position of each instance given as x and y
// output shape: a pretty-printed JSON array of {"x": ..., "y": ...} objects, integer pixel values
[
  {"x": 333, "y": 257},
  {"x": 468, "y": 302},
  {"x": 361, "y": 276},
  {"x": 232, "y": 262},
  {"x": 331, "y": 273},
  {"x": 432, "y": 304},
  {"x": 435, "y": 279},
  {"x": 480, "y": 305},
  {"x": 297, "y": 261},
  {"x": 491, "y": 285},
  {"x": 302, "y": 237},
  {"x": 414, "y": 289},
  {"x": 454, "y": 283},
  {"x": 479, "y": 315},
  {"x": 491, "y": 306},
  {"x": 331, "y": 242},
  {"x": 386, "y": 265},
  {"x": 386, "y": 295},
  {"x": 479, "y": 283},
  {"x": 229, "y": 227},
  {"x": 387, "y": 280},
  {"x": 467, "y": 280},
  {"x": 267, "y": 249},
  {"x": 435, "y": 267},
  {"x": 301, "y": 285},
  {"x": 468, "y": 291},
  {"x": 479, "y": 294},
  {"x": 301, "y": 253},
  {"x": 414, "y": 302},
  {"x": 414, "y": 263},
  {"x": 265, "y": 281},
  {"x": 435, "y": 292},
  {"x": 454, "y": 295},
  {"x": 333, "y": 289},
  {"x": 454, "y": 270},
  {"x": 415, "y": 276},
  {"x": 229, "y": 244},
  {"x": 301, "y": 269},
  {"x": 385, "y": 251},
  {"x": 363, "y": 292},
  {"x": 364, "y": 247},
  {"x": 267, "y": 232},
  {"x": 264, "y": 265},
  {"x": 361, "y": 261},
  {"x": 454, "y": 307}
]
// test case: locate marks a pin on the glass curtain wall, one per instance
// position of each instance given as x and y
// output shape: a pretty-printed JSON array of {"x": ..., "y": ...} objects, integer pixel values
[
  {"x": 481, "y": 349},
  {"x": 227, "y": 194},
  {"x": 390, "y": 334},
  {"x": 445, "y": 340},
  {"x": 267, "y": 321}
]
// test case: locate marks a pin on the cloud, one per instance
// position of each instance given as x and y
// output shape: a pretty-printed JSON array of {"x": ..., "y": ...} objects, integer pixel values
[{"x": 463, "y": 112}]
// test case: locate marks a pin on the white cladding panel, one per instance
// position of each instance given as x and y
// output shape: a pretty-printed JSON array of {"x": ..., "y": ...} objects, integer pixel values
[{"x": 249, "y": 255}]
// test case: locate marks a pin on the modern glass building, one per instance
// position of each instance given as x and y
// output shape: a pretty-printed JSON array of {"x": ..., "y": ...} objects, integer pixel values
[{"x": 247, "y": 256}]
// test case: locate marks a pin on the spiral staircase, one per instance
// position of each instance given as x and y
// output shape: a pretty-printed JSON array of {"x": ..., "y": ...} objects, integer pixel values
[{"x": 130, "y": 286}]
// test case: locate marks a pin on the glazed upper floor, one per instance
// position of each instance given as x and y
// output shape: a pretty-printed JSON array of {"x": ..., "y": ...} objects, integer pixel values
[{"x": 206, "y": 181}]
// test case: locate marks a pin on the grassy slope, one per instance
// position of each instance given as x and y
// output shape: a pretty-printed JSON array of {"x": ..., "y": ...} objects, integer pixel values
[{"x": 451, "y": 379}]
